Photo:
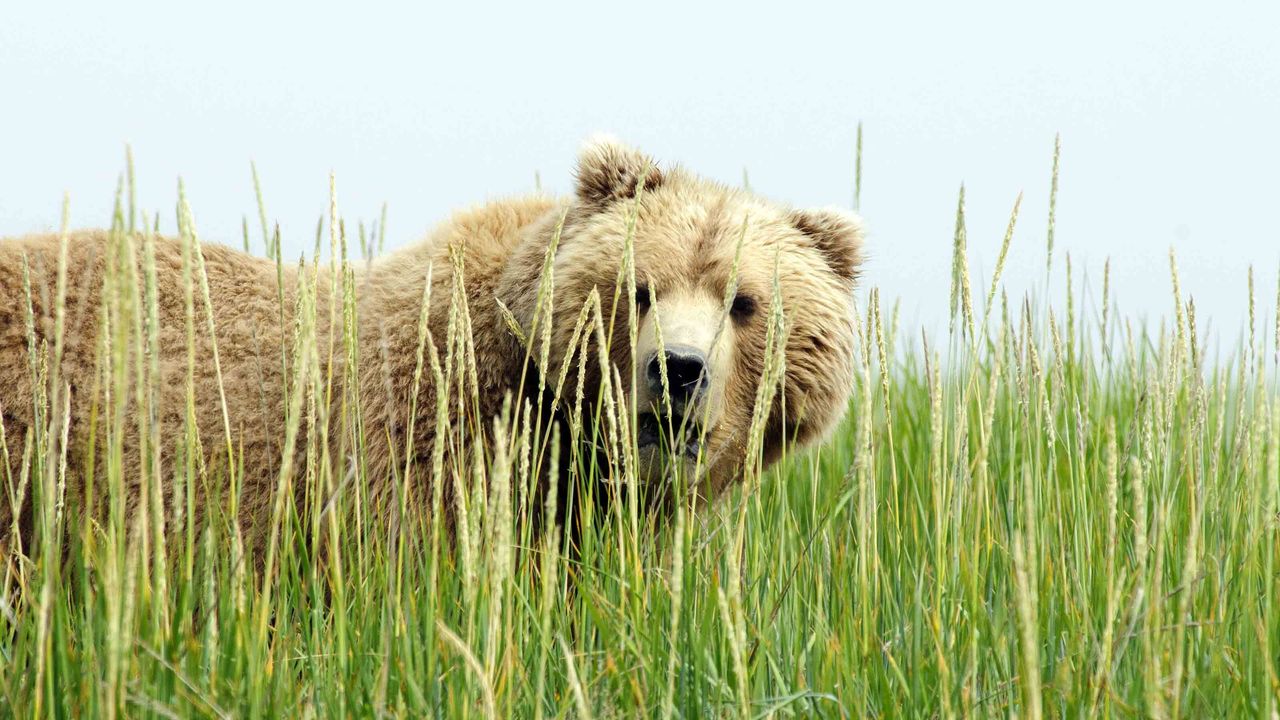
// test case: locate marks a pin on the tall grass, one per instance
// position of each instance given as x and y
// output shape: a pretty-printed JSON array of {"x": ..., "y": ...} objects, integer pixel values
[{"x": 1040, "y": 514}]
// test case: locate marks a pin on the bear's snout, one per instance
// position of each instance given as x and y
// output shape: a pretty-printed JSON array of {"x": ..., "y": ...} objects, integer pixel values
[{"x": 686, "y": 375}]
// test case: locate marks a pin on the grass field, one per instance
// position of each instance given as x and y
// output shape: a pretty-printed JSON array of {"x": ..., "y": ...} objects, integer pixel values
[{"x": 1047, "y": 511}]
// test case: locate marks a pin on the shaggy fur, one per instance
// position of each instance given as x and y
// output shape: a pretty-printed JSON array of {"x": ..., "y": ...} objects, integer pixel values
[{"x": 686, "y": 233}]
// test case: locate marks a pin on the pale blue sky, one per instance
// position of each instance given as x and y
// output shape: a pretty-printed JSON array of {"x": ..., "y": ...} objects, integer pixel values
[{"x": 1169, "y": 114}]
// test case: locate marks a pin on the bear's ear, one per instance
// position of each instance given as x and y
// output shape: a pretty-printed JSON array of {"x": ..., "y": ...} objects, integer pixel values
[
  {"x": 609, "y": 171},
  {"x": 837, "y": 234}
]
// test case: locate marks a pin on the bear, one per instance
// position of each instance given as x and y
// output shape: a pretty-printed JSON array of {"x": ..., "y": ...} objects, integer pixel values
[{"x": 683, "y": 334}]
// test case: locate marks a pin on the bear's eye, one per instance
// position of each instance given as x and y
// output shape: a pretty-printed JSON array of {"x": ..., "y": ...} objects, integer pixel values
[
  {"x": 744, "y": 306},
  {"x": 643, "y": 298}
]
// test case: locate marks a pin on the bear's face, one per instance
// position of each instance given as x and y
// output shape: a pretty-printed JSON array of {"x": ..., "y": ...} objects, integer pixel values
[{"x": 707, "y": 259}]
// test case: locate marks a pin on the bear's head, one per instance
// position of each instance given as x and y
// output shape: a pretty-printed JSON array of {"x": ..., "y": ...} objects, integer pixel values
[{"x": 710, "y": 262}]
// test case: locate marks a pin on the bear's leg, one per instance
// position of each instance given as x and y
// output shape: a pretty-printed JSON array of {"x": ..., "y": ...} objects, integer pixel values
[{"x": 16, "y": 533}]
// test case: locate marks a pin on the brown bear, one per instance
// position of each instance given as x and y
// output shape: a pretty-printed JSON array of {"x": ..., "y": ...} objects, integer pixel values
[{"x": 710, "y": 262}]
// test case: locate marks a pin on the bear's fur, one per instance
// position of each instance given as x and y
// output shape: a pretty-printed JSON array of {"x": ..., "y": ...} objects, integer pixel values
[{"x": 687, "y": 233}]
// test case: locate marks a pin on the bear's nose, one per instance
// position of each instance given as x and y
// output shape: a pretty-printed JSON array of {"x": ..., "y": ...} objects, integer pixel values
[{"x": 686, "y": 373}]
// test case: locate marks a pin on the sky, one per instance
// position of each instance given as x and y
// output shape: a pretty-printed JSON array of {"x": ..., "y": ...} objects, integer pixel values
[{"x": 1169, "y": 117}]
